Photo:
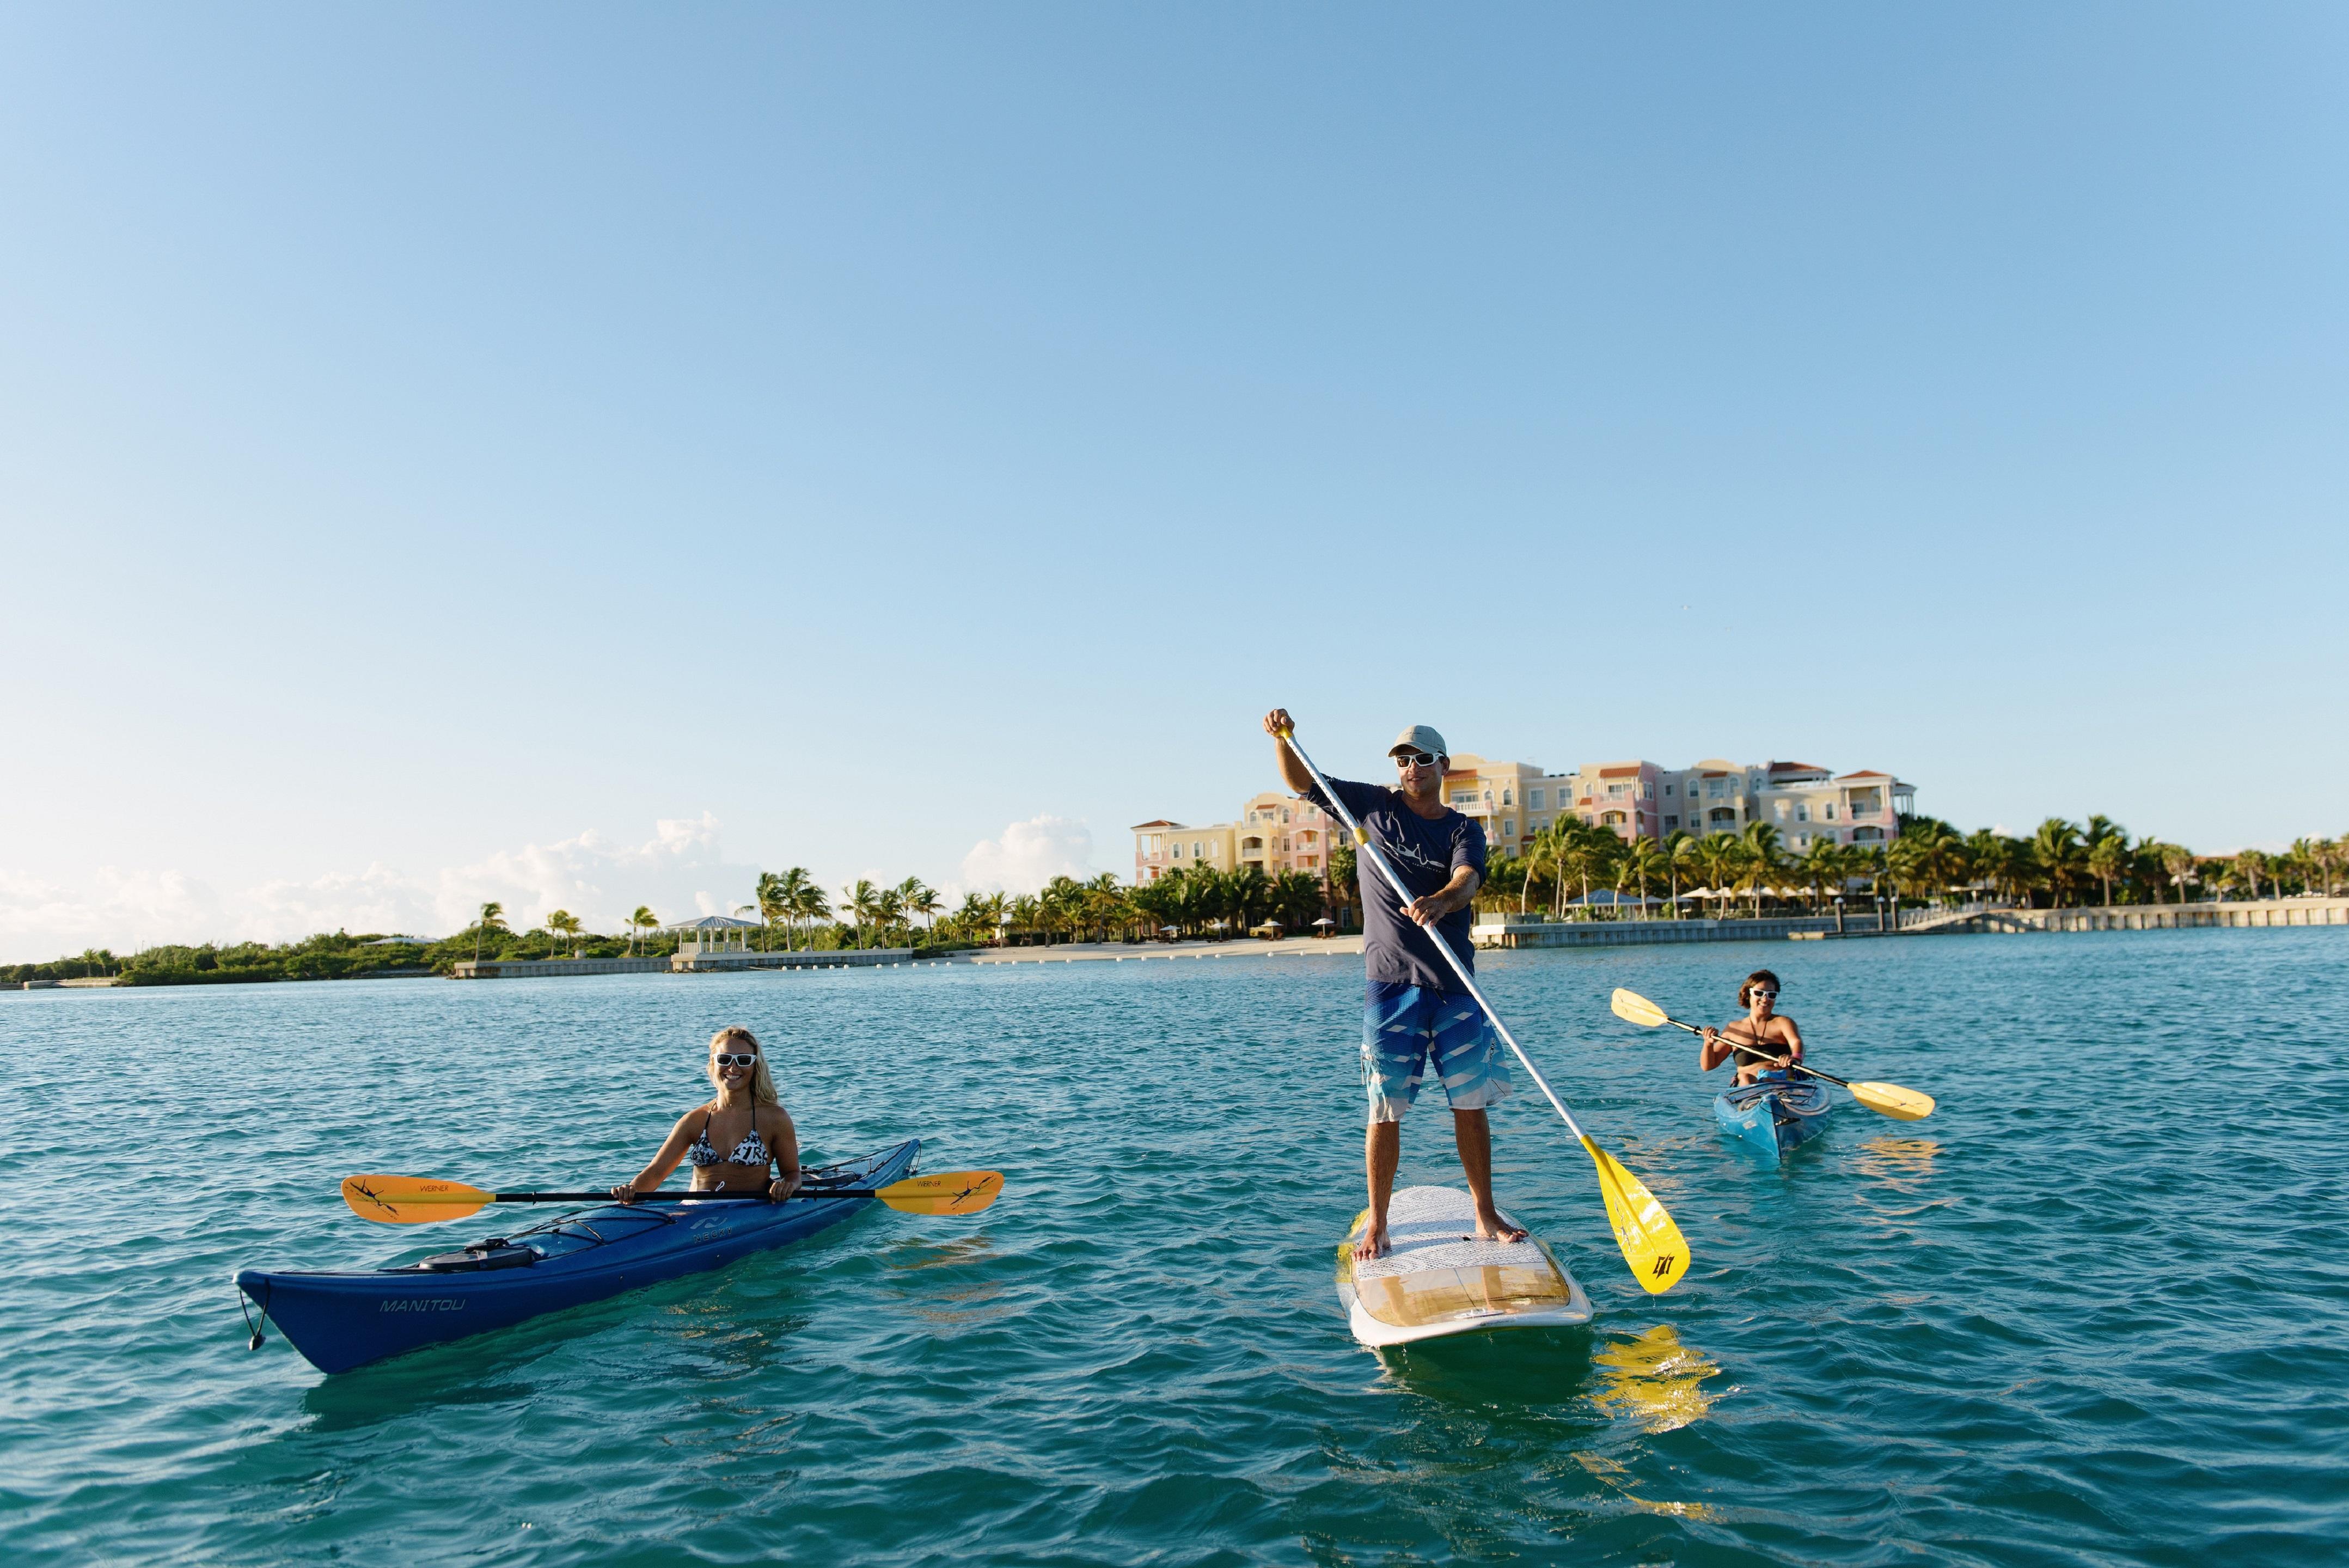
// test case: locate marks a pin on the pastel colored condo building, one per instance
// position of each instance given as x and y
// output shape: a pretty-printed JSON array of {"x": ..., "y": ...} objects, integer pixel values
[{"x": 1515, "y": 801}]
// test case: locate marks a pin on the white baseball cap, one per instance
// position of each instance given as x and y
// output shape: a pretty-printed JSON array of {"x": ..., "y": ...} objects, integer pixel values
[{"x": 1419, "y": 737}]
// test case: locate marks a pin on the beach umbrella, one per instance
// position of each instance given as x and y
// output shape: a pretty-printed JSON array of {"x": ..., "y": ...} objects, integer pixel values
[
  {"x": 1325, "y": 920},
  {"x": 1166, "y": 931}
]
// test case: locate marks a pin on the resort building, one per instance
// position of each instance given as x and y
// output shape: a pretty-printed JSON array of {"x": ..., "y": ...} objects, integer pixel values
[
  {"x": 1514, "y": 801},
  {"x": 1275, "y": 833}
]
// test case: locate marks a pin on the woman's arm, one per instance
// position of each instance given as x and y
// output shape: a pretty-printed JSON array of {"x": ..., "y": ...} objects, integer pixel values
[
  {"x": 786, "y": 1147},
  {"x": 1712, "y": 1050},
  {"x": 1793, "y": 1039},
  {"x": 650, "y": 1178}
]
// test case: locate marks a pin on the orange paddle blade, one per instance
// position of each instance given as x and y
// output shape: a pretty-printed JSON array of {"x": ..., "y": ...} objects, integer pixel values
[
  {"x": 948, "y": 1193},
  {"x": 411, "y": 1200}
]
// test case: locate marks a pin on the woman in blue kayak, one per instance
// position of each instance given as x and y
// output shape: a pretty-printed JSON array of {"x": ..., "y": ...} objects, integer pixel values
[
  {"x": 1763, "y": 1027},
  {"x": 732, "y": 1140}
]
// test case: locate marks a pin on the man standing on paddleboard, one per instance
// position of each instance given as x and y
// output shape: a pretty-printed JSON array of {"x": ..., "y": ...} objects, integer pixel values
[{"x": 1417, "y": 1022}]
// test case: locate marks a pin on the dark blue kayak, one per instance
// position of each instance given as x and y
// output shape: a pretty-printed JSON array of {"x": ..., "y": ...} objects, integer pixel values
[
  {"x": 347, "y": 1319},
  {"x": 1774, "y": 1115}
]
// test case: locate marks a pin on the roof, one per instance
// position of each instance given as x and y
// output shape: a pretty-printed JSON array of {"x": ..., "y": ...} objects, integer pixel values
[
  {"x": 1161, "y": 822},
  {"x": 1867, "y": 773},
  {"x": 1795, "y": 767},
  {"x": 714, "y": 922},
  {"x": 1619, "y": 772}
]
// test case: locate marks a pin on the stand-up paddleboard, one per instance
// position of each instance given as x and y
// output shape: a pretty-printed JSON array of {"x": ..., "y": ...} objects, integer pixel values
[{"x": 1438, "y": 1279}]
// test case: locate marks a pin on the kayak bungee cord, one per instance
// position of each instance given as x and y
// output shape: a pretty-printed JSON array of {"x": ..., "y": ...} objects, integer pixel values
[{"x": 1652, "y": 1243}]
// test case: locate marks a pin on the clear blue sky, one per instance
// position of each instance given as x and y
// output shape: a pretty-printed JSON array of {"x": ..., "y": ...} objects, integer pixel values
[{"x": 429, "y": 433}]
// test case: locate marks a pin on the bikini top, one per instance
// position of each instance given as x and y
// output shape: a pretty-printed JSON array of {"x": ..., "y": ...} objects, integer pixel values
[{"x": 752, "y": 1150}]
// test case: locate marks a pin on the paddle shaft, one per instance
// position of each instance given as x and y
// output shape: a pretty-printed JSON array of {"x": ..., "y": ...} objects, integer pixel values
[
  {"x": 1459, "y": 968},
  {"x": 685, "y": 1197}
]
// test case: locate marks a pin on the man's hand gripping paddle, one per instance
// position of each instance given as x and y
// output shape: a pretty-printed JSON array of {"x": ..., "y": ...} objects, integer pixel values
[
  {"x": 1884, "y": 1099},
  {"x": 1651, "y": 1243}
]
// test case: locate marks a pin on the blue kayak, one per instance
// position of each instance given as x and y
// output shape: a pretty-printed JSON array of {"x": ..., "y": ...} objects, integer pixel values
[
  {"x": 347, "y": 1319},
  {"x": 1774, "y": 1114}
]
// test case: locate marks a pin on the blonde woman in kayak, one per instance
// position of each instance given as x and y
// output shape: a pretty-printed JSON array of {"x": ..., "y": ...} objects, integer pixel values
[
  {"x": 1763, "y": 1026},
  {"x": 732, "y": 1140}
]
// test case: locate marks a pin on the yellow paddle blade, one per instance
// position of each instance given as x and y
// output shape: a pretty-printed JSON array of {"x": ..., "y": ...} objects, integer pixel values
[
  {"x": 1634, "y": 1008},
  {"x": 411, "y": 1200},
  {"x": 1652, "y": 1243},
  {"x": 1890, "y": 1100},
  {"x": 949, "y": 1193}
]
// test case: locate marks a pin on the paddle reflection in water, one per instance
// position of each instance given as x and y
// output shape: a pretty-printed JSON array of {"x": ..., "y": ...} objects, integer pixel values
[
  {"x": 1901, "y": 1163},
  {"x": 1655, "y": 1380}
]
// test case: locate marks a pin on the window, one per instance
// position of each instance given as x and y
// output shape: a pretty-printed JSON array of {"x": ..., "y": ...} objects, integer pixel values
[
  {"x": 1198, "y": 851},
  {"x": 1827, "y": 811},
  {"x": 1722, "y": 817},
  {"x": 1781, "y": 809},
  {"x": 1464, "y": 797},
  {"x": 1867, "y": 835},
  {"x": 1508, "y": 827},
  {"x": 1668, "y": 790},
  {"x": 1534, "y": 798},
  {"x": 1802, "y": 840},
  {"x": 1670, "y": 822},
  {"x": 1505, "y": 798},
  {"x": 1802, "y": 811},
  {"x": 1611, "y": 818},
  {"x": 1178, "y": 851},
  {"x": 1616, "y": 791},
  {"x": 1157, "y": 843},
  {"x": 1284, "y": 813}
]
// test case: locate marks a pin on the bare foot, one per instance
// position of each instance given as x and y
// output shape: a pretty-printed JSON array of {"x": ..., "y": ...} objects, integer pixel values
[
  {"x": 1491, "y": 1227},
  {"x": 1373, "y": 1241}
]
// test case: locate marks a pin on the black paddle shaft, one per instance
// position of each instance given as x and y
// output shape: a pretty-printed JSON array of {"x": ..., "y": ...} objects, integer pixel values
[
  {"x": 1759, "y": 1054},
  {"x": 688, "y": 1197}
]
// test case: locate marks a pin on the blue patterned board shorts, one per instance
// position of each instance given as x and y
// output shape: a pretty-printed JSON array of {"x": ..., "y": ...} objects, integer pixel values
[{"x": 1405, "y": 1029}]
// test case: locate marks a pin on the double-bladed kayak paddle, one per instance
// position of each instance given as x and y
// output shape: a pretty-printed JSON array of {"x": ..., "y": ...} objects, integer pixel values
[
  {"x": 1884, "y": 1099},
  {"x": 420, "y": 1199}
]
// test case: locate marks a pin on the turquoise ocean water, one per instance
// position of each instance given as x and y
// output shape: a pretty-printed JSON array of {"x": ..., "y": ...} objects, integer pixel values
[{"x": 2094, "y": 1311}]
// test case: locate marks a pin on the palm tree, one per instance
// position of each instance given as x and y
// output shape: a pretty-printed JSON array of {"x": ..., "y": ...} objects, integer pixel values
[
  {"x": 1823, "y": 864},
  {"x": 808, "y": 900},
  {"x": 1933, "y": 854},
  {"x": 1765, "y": 863},
  {"x": 1721, "y": 855},
  {"x": 643, "y": 920},
  {"x": 1679, "y": 855},
  {"x": 1025, "y": 913},
  {"x": 767, "y": 898},
  {"x": 1641, "y": 859},
  {"x": 2325, "y": 855},
  {"x": 862, "y": 900},
  {"x": 924, "y": 901},
  {"x": 2251, "y": 865},
  {"x": 1990, "y": 858},
  {"x": 889, "y": 911},
  {"x": 2109, "y": 857},
  {"x": 2055, "y": 849},
  {"x": 2177, "y": 860},
  {"x": 493, "y": 918},
  {"x": 561, "y": 923}
]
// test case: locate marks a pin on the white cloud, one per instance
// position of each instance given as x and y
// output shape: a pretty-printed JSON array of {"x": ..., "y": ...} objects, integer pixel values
[
  {"x": 680, "y": 871},
  {"x": 1025, "y": 857}
]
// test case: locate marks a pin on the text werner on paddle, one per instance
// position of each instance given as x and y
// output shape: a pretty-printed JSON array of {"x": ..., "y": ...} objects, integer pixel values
[{"x": 1417, "y": 1020}]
